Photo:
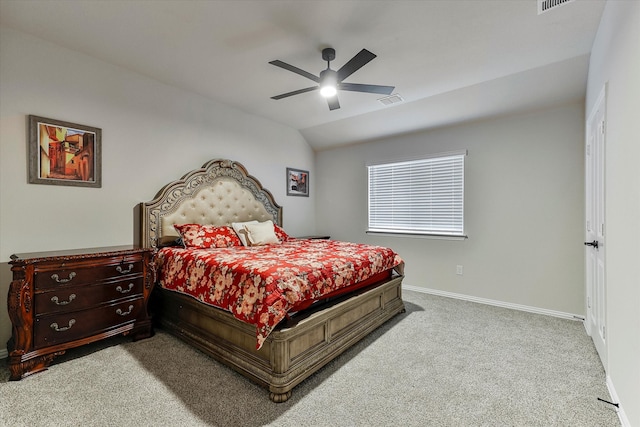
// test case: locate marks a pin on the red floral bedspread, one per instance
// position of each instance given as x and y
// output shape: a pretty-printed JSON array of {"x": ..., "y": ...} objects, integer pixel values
[{"x": 259, "y": 284}]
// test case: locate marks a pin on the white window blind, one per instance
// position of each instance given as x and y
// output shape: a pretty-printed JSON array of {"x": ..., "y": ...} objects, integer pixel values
[{"x": 419, "y": 196}]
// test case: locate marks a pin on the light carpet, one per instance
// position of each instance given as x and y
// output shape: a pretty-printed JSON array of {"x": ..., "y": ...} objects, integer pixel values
[{"x": 444, "y": 362}]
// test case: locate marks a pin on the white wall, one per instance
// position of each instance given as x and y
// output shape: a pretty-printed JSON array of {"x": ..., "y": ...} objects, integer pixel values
[
  {"x": 151, "y": 133},
  {"x": 615, "y": 61},
  {"x": 524, "y": 198}
]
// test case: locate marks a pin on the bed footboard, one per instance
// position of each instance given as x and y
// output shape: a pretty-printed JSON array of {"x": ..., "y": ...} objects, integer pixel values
[{"x": 289, "y": 355}]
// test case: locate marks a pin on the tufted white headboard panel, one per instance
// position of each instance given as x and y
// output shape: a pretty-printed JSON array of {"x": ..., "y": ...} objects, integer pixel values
[{"x": 219, "y": 193}]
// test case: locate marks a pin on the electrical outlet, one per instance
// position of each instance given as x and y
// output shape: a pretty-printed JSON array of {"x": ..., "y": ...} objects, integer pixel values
[{"x": 459, "y": 270}]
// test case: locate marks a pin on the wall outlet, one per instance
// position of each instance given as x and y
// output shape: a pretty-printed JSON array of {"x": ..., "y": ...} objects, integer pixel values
[{"x": 459, "y": 270}]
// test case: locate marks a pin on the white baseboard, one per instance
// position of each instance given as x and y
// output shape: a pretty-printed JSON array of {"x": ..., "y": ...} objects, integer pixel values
[
  {"x": 622, "y": 416},
  {"x": 496, "y": 303},
  {"x": 4, "y": 353}
]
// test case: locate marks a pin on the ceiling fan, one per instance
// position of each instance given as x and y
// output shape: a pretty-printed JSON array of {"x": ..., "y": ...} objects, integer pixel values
[{"x": 330, "y": 81}]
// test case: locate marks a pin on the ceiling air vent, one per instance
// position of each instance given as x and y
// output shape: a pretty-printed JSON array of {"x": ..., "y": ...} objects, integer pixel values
[
  {"x": 391, "y": 99},
  {"x": 546, "y": 5}
]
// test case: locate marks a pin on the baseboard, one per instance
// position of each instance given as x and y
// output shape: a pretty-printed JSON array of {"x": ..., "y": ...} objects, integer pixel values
[
  {"x": 4, "y": 353},
  {"x": 496, "y": 303},
  {"x": 622, "y": 416}
]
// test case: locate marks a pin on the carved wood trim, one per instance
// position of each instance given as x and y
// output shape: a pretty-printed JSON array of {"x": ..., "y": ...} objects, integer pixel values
[{"x": 19, "y": 304}]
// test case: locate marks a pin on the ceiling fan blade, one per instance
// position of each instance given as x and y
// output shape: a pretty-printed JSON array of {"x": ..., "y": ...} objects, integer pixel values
[
  {"x": 333, "y": 103},
  {"x": 296, "y": 70},
  {"x": 296, "y": 92},
  {"x": 355, "y": 87},
  {"x": 355, "y": 63}
]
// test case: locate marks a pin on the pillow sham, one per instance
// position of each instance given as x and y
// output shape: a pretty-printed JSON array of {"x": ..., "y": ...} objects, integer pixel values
[
  {"x": 207, "y": 236},
  {"x": 280, "y": 233},
  {"x": 262, "y": 233},
  {"x": 238, "y": 227}
]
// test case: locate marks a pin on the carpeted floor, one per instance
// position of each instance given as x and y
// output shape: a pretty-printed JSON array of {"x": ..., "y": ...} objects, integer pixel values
[{"x": 444, "y": 362}]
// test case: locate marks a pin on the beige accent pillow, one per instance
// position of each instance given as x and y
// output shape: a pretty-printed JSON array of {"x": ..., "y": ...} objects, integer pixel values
[
  {"x": 238, "y": 227},
  {"x": 261, "y": 233}
]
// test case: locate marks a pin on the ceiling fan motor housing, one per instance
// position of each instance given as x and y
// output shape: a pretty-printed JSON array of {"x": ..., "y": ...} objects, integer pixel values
[{"x": 328, "y": 75}]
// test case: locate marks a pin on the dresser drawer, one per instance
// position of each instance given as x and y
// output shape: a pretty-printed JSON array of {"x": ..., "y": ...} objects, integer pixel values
[
  {"x": 63, "y": 327},
  {"x": 53, "y": 276},
  {"x": 73, "y": 298}
]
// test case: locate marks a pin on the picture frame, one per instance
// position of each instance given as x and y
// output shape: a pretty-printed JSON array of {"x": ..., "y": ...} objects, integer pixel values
[
  {"x": 297, "y": 182},
  {"x": 64, "y": 153}
]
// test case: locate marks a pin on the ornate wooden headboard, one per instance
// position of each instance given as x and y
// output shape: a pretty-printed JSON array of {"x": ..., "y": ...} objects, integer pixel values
[{"x": 219, "y": 193}]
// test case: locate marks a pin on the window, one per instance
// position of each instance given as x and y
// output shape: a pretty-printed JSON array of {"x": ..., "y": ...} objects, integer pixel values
[{"x": 419, "y": 196}]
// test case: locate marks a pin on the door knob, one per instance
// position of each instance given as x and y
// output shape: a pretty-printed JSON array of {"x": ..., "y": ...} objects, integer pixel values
[{"x": 594, "y": 244}]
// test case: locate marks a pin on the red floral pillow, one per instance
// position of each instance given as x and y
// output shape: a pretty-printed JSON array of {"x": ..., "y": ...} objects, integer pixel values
[
  {"x": 207, "y": 236},
  {"x": 280, "y": 233}
]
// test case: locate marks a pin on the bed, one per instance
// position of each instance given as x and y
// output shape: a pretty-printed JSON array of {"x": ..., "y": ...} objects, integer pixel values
[{"x": 280, "y": 334}]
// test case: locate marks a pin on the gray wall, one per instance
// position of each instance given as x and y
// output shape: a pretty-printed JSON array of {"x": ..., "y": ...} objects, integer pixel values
[
  {"x": 615, "y": 61},
  {"x": 524, "y": 204},
  {"x": 151, "y": 133}
]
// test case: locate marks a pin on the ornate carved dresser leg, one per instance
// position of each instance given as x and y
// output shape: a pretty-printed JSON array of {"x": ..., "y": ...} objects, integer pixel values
[{"x": 20, "y": 370}]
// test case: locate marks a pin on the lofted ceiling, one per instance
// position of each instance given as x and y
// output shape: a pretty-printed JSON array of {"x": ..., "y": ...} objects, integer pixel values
[{"x": 450, "y": 60}]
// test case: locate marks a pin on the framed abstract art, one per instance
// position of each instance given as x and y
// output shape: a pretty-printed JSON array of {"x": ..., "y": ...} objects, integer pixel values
[{"x": 64, "y": 153}]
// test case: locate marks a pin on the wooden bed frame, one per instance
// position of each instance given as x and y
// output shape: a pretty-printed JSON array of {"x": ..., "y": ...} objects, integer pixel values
[{"x": 222, "y": 192}]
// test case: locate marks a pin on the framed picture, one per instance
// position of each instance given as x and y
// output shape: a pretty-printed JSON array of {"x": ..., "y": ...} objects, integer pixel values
[
  {"x": 297, "y": 182},
  {"x": 63, "y": 153}
]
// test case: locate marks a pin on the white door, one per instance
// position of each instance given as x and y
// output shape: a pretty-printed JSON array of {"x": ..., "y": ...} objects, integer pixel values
[{"x": 595, "y": 228}]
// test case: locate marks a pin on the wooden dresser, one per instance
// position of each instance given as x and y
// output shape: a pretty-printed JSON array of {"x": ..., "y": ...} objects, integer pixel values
[{"x": 63, "y": 299}]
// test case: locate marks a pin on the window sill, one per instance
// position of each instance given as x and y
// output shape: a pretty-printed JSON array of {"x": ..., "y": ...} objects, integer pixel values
[{"x": 419, "y": 235}]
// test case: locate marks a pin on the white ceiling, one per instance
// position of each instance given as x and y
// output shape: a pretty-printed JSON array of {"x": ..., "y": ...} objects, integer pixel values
[{"x": 451, "y": 60}]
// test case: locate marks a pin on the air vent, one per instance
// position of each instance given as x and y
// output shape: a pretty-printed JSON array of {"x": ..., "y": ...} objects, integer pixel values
[
  {"x": 546, "y": 5},
  {"x": 391, "y": 99}
]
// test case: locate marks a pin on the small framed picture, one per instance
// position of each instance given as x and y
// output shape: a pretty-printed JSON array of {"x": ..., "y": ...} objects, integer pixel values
[
  {"x": 297, "y": 182},
  {"x": 63, "y": 153}
]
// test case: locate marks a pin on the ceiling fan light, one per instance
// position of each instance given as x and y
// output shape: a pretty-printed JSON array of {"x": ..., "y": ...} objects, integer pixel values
[
  {"x": 328, "y": 91},
  {"x": 328, "y": 83}
]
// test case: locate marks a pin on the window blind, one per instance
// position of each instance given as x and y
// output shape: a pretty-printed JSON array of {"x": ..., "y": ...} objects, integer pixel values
[{"x": 419, "y": 196}]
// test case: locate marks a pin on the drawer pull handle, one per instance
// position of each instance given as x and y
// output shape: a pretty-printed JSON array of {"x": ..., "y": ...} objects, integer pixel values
[
  {"x": 59, "y": 280},
  {"x": 121, "y": 270},
  {"x": 55, "y": 327},
  {"x": 54, "y": 299},
  {"x": 124, "y": 291},
  {"x": 125, "y": 313}
]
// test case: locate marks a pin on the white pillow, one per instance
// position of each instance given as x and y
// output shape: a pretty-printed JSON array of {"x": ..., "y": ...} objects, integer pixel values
[
  {"x": 261, "y": 233},
  {"x": 238, "y": 227}
]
